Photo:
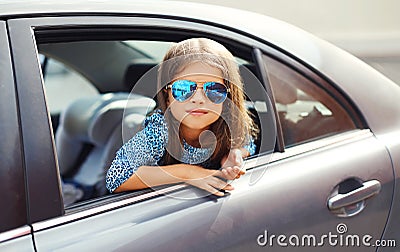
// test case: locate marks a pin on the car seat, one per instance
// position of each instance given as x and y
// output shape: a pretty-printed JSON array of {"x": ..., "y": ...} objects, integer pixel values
[{"x": 91, "y": 130}]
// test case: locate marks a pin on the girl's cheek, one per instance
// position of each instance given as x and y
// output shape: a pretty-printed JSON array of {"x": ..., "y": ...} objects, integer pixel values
[
  {"x": 217, "y": 108},
  {"x": 177, "y": 111}
]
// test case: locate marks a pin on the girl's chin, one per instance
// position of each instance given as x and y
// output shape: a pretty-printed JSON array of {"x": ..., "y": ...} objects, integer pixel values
[
  {"x": 197, "y": 122},
  {"x": 195, "y": 125}
]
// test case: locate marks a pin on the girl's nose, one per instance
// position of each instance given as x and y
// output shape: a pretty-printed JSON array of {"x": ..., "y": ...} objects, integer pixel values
[{"x": 199, "y": 96}]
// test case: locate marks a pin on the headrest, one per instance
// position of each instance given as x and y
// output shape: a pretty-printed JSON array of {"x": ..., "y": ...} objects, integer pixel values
[
  {"x": 136, "y": 70},
  {"x": 93, "y": 119}
]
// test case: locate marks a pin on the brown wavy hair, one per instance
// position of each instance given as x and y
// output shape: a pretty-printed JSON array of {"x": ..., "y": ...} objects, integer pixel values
[{"x": 234, "y": 128}]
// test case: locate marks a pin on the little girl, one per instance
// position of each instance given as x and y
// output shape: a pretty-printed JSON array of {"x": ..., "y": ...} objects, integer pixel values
[{"x": 200, "y": 126}]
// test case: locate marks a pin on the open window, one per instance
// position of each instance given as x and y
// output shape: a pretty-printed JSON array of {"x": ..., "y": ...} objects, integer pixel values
[{"x": 88, "y": 83}]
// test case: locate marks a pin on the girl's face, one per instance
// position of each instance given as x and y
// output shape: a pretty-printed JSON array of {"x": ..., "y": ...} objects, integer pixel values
[{"x": 198, "y": 112}]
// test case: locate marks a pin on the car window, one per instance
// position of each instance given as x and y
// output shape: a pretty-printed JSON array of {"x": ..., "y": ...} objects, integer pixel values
[
  {"x": 152, "y": 49},
  {"x": 63, "y": 85},
  {"x": 157, "y": 49},
  {"x": 85, "y": 82},
  {"x": 306, "y": 111}
]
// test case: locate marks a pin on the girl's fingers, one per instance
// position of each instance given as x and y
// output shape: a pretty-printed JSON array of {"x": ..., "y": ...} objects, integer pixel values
[
  {"x": 216, "y": 184},
  {"x": 212, "y": 183},
  {"x": 231, "y": 173},
  {"x": 213, "y": 191},
  {"x": 239, "y": 171},
  {"x": 209, "y": 186},
  {"x": 228, "y": 173},
  {"x": 228, "y": 187},
  {"x": 234, "y": 172}
]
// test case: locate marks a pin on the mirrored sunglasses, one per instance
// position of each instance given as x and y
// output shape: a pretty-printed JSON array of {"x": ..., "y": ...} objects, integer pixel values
[{"x": 182, "y": 90}]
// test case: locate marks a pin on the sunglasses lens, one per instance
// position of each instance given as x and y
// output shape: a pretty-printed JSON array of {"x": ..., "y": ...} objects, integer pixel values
[
  {"x": 183, "y": 89},
  {"x": 215, "y": 91}
]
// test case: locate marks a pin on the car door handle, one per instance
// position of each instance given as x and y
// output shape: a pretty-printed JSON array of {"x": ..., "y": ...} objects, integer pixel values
[{"x": 367, "y": 190}]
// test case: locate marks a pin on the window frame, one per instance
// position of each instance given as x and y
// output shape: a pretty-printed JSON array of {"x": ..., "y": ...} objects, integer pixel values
[
  {"x": 40, "y": 138},
  {"x": 159, "y": 34},
  {"x": 14, "y": 215},
  {"x": 25, "y": 27}
]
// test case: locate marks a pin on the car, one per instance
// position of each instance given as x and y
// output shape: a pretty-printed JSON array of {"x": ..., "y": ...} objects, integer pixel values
[{"x": 77, "y": 80}]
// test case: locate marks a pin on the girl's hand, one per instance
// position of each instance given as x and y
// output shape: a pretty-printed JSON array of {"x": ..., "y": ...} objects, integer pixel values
[
  {"x": 232, "y": 164},
  {"x": 231, "y": 173},
  {"x": 206, "y": 179}
]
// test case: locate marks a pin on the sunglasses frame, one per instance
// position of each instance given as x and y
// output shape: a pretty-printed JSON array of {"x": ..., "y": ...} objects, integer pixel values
[{"x": 169, "y": 86}]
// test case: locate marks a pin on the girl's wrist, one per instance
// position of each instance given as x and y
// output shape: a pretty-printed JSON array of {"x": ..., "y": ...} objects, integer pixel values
[
  {"x": 190, "y": 172},
  {"x": 182, "y": 172}
]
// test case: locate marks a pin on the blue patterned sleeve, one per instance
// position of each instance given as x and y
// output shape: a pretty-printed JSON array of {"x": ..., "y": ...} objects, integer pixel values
[{"x": 145, "y": 148}]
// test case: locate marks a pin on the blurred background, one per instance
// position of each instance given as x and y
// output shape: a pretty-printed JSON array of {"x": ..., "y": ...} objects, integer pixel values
[{"x": 369, "y": 29}]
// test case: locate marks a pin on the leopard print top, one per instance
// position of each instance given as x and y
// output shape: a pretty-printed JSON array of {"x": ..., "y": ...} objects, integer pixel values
[{"x": 147, "y": 148}]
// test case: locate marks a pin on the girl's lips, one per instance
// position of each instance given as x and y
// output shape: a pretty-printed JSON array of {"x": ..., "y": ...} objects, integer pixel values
[{"x": 197, "y": 112}]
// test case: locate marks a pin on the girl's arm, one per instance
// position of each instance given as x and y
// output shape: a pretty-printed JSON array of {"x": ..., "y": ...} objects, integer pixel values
[
  {"x": 145, "y": 148},
  {"x": 148, "y": 176}
]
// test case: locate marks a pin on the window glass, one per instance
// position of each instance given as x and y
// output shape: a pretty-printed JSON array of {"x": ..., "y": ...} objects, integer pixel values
[
  {"x": 305, "y": 110},
  {"x": 87, "y": 84},
  {"x": 152, "y": 49},
  {"x": 64, "y": 85}
]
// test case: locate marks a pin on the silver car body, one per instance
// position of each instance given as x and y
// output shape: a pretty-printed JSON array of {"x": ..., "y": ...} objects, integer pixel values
[{"x": 290, "y": 198}]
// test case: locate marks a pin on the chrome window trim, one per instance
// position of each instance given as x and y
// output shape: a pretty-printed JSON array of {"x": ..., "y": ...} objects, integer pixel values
[
  {"x": 100, "y": 209},
  {"x": 338, "y": 139},
  {"x": 15, "y": 233},
  {"x": 341, "y": 138},
  {"x": 330, "y": 141}
]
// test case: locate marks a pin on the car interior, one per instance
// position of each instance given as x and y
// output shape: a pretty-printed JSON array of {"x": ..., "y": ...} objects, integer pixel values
[{"x": 90, "y": 128}]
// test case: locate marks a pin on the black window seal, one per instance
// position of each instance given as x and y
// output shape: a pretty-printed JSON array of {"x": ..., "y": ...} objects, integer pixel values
[{"x": 263, "y": 76}]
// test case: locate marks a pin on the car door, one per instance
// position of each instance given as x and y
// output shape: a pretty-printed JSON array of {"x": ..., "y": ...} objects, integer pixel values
[
  {"x": 15, "y": 232},
  {"x": 287, "y": 198},
  {"x": 341, "y": 179}
]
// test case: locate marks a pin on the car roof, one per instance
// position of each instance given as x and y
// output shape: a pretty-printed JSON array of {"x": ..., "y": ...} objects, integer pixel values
[
  {"x": 333, "y": 63},
  {"x": 10, "y": 8},
  {"x": 290, "y": 38},
  {"x": 245, "y": 21}
]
